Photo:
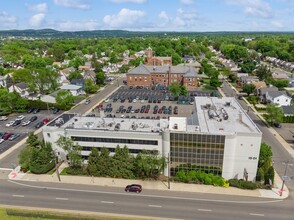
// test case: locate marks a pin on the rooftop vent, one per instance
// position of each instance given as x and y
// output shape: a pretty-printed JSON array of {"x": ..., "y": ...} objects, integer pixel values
[{"x": 175, "y": 126}]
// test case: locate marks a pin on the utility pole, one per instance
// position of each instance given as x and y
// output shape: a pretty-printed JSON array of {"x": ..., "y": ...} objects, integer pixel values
[
  {"x": 168, "y": 171},
  {"x": 285, "y": 177}
]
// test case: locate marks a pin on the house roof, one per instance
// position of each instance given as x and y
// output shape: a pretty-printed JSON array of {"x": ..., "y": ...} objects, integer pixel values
[
  {"x": 70, "y": 87},
  {"x": 147, "y": 70},
  {"x": 77, "y": 81},
  {"x": 288, "y": 110},
  {"x": 264, "y": 90},
  {"x": 275, "y": 94},
  {"x": 22, "y": 85}
]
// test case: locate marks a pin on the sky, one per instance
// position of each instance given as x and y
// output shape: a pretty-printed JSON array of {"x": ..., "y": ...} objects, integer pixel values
[{"x": 148, "y": 15}]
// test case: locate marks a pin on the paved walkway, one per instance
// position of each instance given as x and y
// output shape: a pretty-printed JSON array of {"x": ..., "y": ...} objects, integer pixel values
[{"x": 155, "y": 185}]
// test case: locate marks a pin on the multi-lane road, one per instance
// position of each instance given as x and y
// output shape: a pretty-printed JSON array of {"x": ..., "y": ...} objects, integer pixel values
[{"x": 152, "y": 203}]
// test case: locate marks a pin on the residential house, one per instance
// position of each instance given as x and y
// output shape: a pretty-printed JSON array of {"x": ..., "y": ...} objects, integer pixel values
[
  {"x": 259, "y": 84},
  {"x": 288, "y": 110},
  {"x": 278, "y": 97},
  {"x": 145, "y": 75},
  {"x": 21, "y": 88},
  {"x": 84, "y": 68},
  {"x": 74, "y": 89},
  {"x": 78, "y": 82},
  {"x": 239, "y": 75},
  {"x": 263, "y": 90},
  {"x": 57, "y": 64},
  {"x": 248, "y": 79},
  {"x": 280, "y": 75},
  {"x": 291, "y": 82},
  {"x": 89, "y": 75},
  {"x": 3, "y": 80}
]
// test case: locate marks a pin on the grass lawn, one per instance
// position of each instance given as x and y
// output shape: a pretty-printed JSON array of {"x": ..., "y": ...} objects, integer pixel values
[{"x": 29, "y": 214}]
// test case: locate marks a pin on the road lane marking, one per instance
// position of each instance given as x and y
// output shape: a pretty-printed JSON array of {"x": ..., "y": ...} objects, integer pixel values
[
  {"x": 21, "y": 196},
  {"x": 107, "y": 202},
  {"x": 144, "y": 195},
  {"x": 204, "y": 210},
  {"x": 7, "y": 169},
  {"x": 62, "y": 198},
  {"x": 255, "y": 214},
  {"x": 155, "y": 206}
]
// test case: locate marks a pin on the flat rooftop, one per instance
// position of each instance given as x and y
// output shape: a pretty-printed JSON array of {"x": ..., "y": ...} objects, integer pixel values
[
  {"x": 221, "y": 116},
  {"x": 116, "y": 124}
]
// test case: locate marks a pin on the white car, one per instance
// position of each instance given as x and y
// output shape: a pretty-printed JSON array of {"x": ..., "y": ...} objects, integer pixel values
[
  {"x": 1, "y": 140},
  {"x": 3, "y": 118},
  {"x": 25, "y": 123},
  {"x": 20, "y": 117},
  {"x": 134, "y": 100},
  {"x": 9, "y": 123},
  {"x": 106, "y": 100}
]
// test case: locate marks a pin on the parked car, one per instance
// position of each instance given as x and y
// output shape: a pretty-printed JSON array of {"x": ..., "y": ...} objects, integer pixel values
[
  {"x": 2, "y": 134},
  {"x": 3, "y": 118},
  {"x": 39, "y": 124},
  {"x": 20, "y": 117},
  {"x": 34, "y": 118},
  {"x": 9, "y": 124},
  {"x": 45, "y": 120},
  {"x": 36, "y": 110},
  {"x": 1, "y": 141},
  {"x": 277, "y": 125},
  {"x": 13, "y": 137},
  {"x": 106, "y": 100},
  {"x": 55, "y": 110},
  {"x": 30, "y": 110},
  {"x": 6, "y": 136},
  {"x": 133, "y": 188},
  {"x": 16, "y": 122},
  {"x": 25, "y": 123},
  {"x": 87, "y": 101}
]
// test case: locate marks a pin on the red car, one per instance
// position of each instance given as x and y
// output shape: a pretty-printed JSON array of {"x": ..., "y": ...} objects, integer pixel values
[
  {"x": 6, "y": 136},
  {"x": 45, "y": 120}
]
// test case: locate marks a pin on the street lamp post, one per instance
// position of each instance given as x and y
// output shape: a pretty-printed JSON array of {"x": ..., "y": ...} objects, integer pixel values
[
  {"x": 284, "y": 177},
  {"x": 56, "y": 165},
  {"x": 168, "y": 171}
]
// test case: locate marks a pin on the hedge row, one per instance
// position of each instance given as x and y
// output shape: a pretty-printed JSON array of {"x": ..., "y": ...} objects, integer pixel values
[
  {"x": 200, "y": 177},
  {"x": 242, "y": 184},
  {"x": 288, "y": 119},
  {"x": 39, "y": 169}
]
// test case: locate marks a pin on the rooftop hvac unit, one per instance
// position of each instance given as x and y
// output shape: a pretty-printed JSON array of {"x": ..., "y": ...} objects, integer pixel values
[{"x": 175, "y": 126}]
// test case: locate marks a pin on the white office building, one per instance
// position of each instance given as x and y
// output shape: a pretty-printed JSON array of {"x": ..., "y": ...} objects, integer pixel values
[{"x": 219, "y": 137}]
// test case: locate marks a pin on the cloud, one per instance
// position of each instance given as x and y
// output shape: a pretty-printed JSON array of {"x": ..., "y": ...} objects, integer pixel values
[
  {"x": 79, "y": 4},
  {"x": 129, "y": 1},
  {"x": 126, "y": 18},
  {"x": 187, "y": 2},
  {"x": 277, "y": 24},
  {"x": 258, "y": 8},
  {"x": 36, "y": 20},
  {"x": 7, "y": 20},
  {"x": 40, "y": 8},
  {"x": 183, "y": 19},
  {"x": 78, "y": 25}
]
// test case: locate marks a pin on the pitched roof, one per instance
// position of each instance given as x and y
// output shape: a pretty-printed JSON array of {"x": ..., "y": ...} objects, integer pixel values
[
  {"x": 275, "y": 94},
  {"x": 70, "y": 87},
  {"x": 263, "y": 90},
  {"x": 147, "y": 70},
  {"x": 288, "y": 110},
  {"x": 22, "y": 85}
]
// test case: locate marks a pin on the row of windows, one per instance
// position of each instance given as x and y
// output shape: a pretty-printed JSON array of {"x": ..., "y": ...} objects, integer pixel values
[
  {"x": 197, "y": 138},
  {"x": 194, "y": 145},
  {"x": 112, "y": 150},
  {"x": 114, "y": 140},
  {"x": 207, "y": 156},
  {"x": 197, "y": 161}
]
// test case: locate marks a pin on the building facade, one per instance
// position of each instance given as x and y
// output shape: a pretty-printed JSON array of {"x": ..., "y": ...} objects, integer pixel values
[
  {"x": 145, "y": 75},
  {"x": 219, "y": 137}
]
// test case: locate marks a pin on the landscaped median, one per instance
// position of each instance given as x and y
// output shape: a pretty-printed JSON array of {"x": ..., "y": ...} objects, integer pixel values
[{"x": 32, "y": 214}]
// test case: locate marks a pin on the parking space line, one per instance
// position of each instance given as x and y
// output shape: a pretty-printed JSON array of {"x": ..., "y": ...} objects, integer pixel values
[{"x": 205, "y": 210}]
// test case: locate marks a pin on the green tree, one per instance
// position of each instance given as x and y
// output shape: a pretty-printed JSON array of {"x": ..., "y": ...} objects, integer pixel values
[
  {"x": 175, "y": 89},
  {"x": 100, "y": 78},
  {"x": 176, "y": 59},
  {"x": 280, "y": 83},
  {"x": 271, "y": 174},
  {"x": 64, "y": 99},
  {"x": 104, "y": 165},
  {"x": 33, "y": 140},
  {"x": 93, "y": 161},
  {"x": 260, "y": 175},
  {"x": 76, "y": 62},
  {"x": 274, "y": 114},
  {"x": 75, "y": 75},
  {"x": 122, "y": 163},
  {"x": 263, "y": 73},
  {"x": 184, "y": 91},
  {"x": 249, "y": 88},
  {"x": 214, "y": 81},
  {"x": 90, "y": 87},
  {"x": 264, "y": 153},
  {"x": 24, "y": 157}
]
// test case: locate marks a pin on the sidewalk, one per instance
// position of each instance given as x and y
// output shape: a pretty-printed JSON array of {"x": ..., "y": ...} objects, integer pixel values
[{"x": 154, "y": 185}]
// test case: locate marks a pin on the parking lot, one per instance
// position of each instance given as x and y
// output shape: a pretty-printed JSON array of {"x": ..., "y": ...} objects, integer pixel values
[
  {"x": 144, "y": 103},
  {"x": 20, "y": 129}
]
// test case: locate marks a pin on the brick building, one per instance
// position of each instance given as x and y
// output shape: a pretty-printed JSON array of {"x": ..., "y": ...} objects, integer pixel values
[
  {"x": 156, "y": 61},
  {"x": 145, "y": 75}
]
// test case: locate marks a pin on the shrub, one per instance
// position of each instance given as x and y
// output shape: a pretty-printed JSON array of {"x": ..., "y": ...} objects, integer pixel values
[
  {"x": 39, "y": 169},
  {"x": 243, "y": 184}
]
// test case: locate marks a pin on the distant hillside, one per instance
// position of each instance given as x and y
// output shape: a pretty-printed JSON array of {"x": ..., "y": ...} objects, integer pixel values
[{"x": 50, "y": 33}]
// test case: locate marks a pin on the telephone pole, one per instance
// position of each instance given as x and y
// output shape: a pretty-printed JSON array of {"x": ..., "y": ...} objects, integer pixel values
[{"x": 285, "y": 177}]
